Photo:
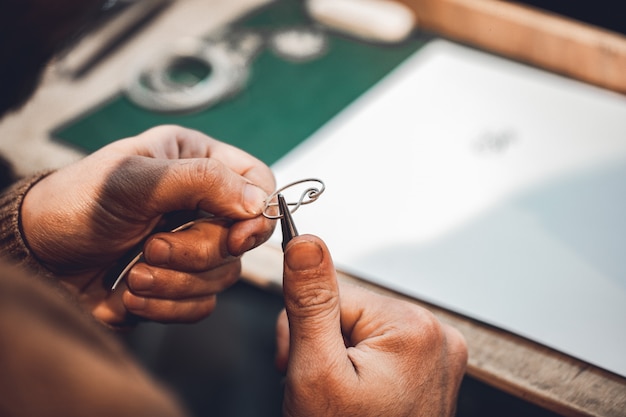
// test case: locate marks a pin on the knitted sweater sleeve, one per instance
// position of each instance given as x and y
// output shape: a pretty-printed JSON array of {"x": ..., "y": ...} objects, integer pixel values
[{"x": 12, "y": 244}]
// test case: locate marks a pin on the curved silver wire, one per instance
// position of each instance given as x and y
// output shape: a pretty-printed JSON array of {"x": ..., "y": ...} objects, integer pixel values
[{"x": 308, "y": 196}]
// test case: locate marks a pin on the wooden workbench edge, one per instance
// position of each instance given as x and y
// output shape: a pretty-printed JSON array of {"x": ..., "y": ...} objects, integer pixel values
[
  {"x": 511, "y": 363},
  {"x": 525, "y": 34}
]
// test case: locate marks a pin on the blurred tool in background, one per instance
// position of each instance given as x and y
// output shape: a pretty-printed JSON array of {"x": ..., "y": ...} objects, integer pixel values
[
  {"x": 194, "y": 74},
  {"x": 119, "y": 20},
  {"x": 581, "y": 48}
]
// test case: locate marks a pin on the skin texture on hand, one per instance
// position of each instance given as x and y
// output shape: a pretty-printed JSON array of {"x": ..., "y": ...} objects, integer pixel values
[
  {"x": 81, "y": 219},
  {"x": 350, "y": 352}
]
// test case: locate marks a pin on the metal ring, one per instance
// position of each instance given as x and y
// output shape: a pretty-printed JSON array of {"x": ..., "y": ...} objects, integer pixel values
[{"x": 151, "y": 88}]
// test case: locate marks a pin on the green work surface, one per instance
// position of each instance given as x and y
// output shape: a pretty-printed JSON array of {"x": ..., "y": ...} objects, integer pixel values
[{"x": 282, "y": 105}]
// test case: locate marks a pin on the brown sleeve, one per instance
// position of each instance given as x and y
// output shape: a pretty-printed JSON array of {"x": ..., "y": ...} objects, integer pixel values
[
  {"x": 57, "y": 361},
  {"x": 12, "y": 245}
]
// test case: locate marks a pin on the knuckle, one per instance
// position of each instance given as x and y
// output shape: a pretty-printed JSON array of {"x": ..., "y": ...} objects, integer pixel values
[
  {"x": 209, "y": 170},
  {"x": 429, "y": 328},
  {"x": 171, "y": 283},
  {"x": 200, "y": 248}
]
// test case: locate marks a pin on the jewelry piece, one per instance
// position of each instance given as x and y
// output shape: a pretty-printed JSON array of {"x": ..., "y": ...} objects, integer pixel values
[
  {"x": 154, "y": 89},
  {"x": 194, "y": 74},
  {"x": 308, "y": 196}
]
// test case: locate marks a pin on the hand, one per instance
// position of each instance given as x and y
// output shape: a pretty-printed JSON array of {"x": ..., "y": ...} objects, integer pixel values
[
  {"x": 80, "y": 220},
  {"x": 356, "y": 353}
]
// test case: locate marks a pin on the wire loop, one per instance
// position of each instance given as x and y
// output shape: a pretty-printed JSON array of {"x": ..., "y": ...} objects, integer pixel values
[{"x": 308, "y": 196}]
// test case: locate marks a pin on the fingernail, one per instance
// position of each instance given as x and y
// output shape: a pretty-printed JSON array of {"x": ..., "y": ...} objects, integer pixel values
[
  {"x": 304, "y": 255},
  {"x": 253, "y": 199},
  {"x": 158, "y": 252},
  {"x": 140, "y": 279}
]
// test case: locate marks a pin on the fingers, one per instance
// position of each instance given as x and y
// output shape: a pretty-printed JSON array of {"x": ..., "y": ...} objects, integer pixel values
[
  {"x": 207, "y": 243},
  {"x": 147, "y": 281},
  {"x": 170, "y": 311},
  {"x": 390, "y": 346},
  {"x": 247, "y": 234},
  {"x": 172, "y": 296},
  {"x": 200, "y": 247},
  {"x": 182, "y": 273},
  {"x": 312, "y": 303}
]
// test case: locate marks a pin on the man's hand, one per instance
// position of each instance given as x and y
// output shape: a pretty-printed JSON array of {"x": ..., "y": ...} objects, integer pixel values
[
  {"x": 81, "y": 219},
  {"x": 357, "y": 353}
]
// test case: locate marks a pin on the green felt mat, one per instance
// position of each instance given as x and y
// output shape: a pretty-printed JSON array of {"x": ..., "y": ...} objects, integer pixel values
[{"x": 283, "y": 103}]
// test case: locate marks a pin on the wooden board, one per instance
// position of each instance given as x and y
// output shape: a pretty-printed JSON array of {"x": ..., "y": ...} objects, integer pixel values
[{"x": 548, "y": 41}]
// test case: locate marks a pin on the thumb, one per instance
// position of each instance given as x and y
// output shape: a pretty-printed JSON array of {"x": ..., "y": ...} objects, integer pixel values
[
  {"x": 312, "y": 302},
  {"x": 190, "y": 184}
]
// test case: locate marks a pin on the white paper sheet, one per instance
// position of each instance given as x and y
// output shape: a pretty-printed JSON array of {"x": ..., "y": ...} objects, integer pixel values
[{"x": 487, "y": 187}]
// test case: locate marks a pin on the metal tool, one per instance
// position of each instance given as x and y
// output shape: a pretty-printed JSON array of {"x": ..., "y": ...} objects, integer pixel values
[
  {"x": 309, "y": 195},
  {"x": 286, "y": 222}
]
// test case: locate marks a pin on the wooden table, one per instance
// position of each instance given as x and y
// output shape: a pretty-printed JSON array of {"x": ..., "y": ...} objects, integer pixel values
[{"x": 503, "y": 360}]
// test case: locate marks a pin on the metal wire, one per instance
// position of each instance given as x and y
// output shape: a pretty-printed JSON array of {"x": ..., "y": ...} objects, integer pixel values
[{"x": 308, "y": 196}]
